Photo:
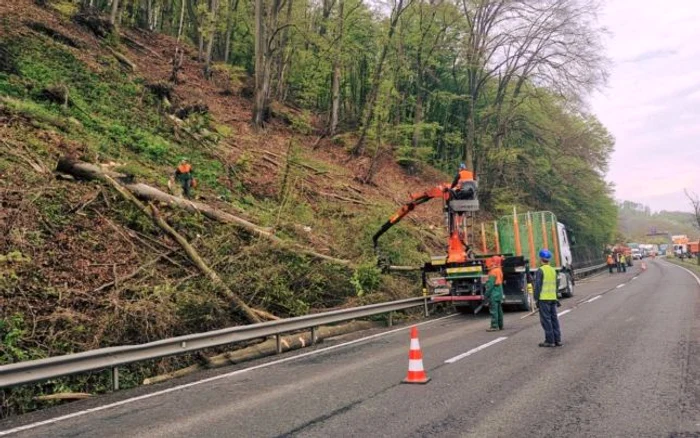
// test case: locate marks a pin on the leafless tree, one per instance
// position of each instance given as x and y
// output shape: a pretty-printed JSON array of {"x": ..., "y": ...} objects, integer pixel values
[
  {"x": 695, "y": 205},
  {"x": 547, "y": 43}
]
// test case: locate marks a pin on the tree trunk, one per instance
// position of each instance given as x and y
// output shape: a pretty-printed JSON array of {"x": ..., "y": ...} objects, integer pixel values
[
  {"x": 113, "y": 15},
  {"x": 335, "y": 86},
  {"x": 212, "y": 35},
  {"x": 229, "y": 24},
  {"x": 149, "y": 15},
  {"x": 259, "y": 103},
  {"x": 283, "y": 57},
  {"x": 418, "y": 110},
  {"x": 359, "y": 147},
  {"x": 182, "y": 20}
]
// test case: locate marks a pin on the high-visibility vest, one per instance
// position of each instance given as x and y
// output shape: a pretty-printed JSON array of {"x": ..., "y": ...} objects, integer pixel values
[
  {"x": 184, "y": 168},
  {"x": 466, "y": 175},
  {"x": 549, "y": 283},
  {"x": 610, "y": 259},
  {"x": 498, "y": 273}
]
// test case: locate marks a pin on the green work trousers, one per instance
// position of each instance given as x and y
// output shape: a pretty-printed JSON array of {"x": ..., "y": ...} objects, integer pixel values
[{"x": 496, "y": 309}]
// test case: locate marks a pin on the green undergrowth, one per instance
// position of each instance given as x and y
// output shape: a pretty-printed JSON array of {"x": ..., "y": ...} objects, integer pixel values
[{"x": 68, "y": 238}]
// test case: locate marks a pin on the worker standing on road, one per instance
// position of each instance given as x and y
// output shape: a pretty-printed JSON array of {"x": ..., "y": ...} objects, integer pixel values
[
  {"x": 494, "y": 293},
  {"x": 617, "y": 262},
  {"x": 610, "y": 262},
  {"x": 546, "y": 299},
  {"x": 183, "y": 175},
  {"x": 623, "y": 262}
]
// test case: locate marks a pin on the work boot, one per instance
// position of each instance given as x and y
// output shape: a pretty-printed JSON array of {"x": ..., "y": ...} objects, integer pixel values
[
  {"x": 492, "y": 329},
  {"x": 545, "y": 344},
  {"x": 558, "y": 344}
]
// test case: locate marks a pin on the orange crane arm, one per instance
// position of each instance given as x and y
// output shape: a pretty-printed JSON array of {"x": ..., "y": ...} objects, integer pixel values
[{"x": 441, "y": 191}]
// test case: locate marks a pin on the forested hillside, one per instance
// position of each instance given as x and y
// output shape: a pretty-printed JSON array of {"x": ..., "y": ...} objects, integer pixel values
[
  {"x": 637, "y": 221},
  {"x": 309, "y": 122}
]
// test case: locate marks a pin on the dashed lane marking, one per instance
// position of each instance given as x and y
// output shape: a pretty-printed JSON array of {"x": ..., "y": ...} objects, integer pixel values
[
  {"x": 620, "y": 285},
  {"x": 475, "y": 350},
  {"x": 564, "y": 312},
  {"x": 597, "y": 297}
]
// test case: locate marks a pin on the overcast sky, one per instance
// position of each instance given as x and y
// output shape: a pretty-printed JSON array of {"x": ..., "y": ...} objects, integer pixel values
[{"x": 652, "y": 104}]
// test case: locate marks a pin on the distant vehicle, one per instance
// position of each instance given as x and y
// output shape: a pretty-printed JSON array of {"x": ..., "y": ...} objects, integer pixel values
[
  {"x": 694, "y": 248},
  {"x": 680, "y": 245},
  {"x": 636, "y": 254}
]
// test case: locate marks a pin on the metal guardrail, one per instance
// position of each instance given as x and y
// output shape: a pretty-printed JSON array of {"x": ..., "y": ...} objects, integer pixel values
[
  {"x": 113, "y": 357},
  {"x": 586, "y": 271}
]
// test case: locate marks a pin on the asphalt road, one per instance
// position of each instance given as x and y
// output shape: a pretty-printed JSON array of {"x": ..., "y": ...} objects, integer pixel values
[{"x": 630, "y": 367}]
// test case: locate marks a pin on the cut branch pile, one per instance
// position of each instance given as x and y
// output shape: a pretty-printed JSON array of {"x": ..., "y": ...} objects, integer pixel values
[{"x": 89, "y": 171}]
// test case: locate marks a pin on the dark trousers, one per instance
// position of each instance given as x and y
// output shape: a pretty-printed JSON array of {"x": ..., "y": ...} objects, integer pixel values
[
  {"x": 185, "y": 180},
  {"x": 610, "y": 267},
  {"x": 550, "y": 321},
  {"x": 496, "y": 310}
]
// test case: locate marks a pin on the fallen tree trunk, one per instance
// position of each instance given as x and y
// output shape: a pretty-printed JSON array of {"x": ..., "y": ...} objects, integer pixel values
[
  {"x": 63, "y": 396},
  {"x": 191, "y": 252},
  {"x": 267, "y": 348},
  {"x": 89, "y": 171}
]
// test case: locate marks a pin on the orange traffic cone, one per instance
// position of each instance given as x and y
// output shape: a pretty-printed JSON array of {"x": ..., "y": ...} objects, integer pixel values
[{"x": 416, "y": 372}]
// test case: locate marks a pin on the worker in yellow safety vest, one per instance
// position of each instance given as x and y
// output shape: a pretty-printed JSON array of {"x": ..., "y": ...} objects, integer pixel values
[{"x": 547, "y": 302}]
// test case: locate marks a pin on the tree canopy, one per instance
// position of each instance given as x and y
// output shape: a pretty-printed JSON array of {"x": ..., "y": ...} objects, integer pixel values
[{"x": 498, "y": 84}]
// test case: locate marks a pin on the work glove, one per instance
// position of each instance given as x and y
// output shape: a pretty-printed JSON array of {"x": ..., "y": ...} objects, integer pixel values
[
  {"x": 537, "y": 304},
  {"x": 558, "y": 303}
]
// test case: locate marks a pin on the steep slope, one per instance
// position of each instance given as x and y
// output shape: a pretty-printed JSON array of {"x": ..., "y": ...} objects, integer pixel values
[{"x": 81, "y": 268}]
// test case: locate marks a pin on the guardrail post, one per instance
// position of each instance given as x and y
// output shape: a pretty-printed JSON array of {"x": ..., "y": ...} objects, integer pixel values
[
  {"x": 314, "y": 335},
  {"x": 390, "y": 319},
  {"x": 115, "y": 378},
  {"x": 278, "y": 340},
  {"x": 425, "y": 304}
]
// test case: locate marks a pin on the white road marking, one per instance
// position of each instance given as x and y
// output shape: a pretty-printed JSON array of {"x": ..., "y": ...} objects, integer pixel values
[
  {"x": 594, "y": 298},
  {"x": 210, "y": 379},
  {"x": 620, "y": 285},
  {"x": 634, "y": 278},
  {"x": 564, "y": 312},
  {"x": 474, "y": 350},
  {"x": 686, "y": 270}
]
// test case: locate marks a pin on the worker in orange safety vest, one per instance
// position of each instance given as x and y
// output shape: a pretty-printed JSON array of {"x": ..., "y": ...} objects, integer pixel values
[
  {"x": 183, "y": 175},
  {"x": 494, "y": 292}
]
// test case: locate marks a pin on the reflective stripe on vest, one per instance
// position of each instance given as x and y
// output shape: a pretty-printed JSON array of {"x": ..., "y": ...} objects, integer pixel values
[{"x": 549, "y": 283}]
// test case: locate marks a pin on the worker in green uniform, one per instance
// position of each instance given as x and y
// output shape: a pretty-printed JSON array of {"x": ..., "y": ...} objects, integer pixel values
[
  {"x": 494, "y": 293},
  {"x": 547, "y": 302}
]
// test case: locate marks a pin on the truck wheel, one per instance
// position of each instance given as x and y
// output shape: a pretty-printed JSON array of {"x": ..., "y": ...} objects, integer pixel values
[
  {"x": 569, "y": 291},
  {"x": 526, "y": 303}
]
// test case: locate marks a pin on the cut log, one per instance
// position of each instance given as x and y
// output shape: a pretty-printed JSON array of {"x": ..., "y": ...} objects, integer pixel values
[
  {"x": 267, "y": 348},
  {"x": 63, "y": 396},
  {"x": 126, "y": 62},
  {"x": 89, "y": 171}
]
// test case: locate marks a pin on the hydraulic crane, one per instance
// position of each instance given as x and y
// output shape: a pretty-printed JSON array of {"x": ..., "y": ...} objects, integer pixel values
[{"x": 460, "y": 268}]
